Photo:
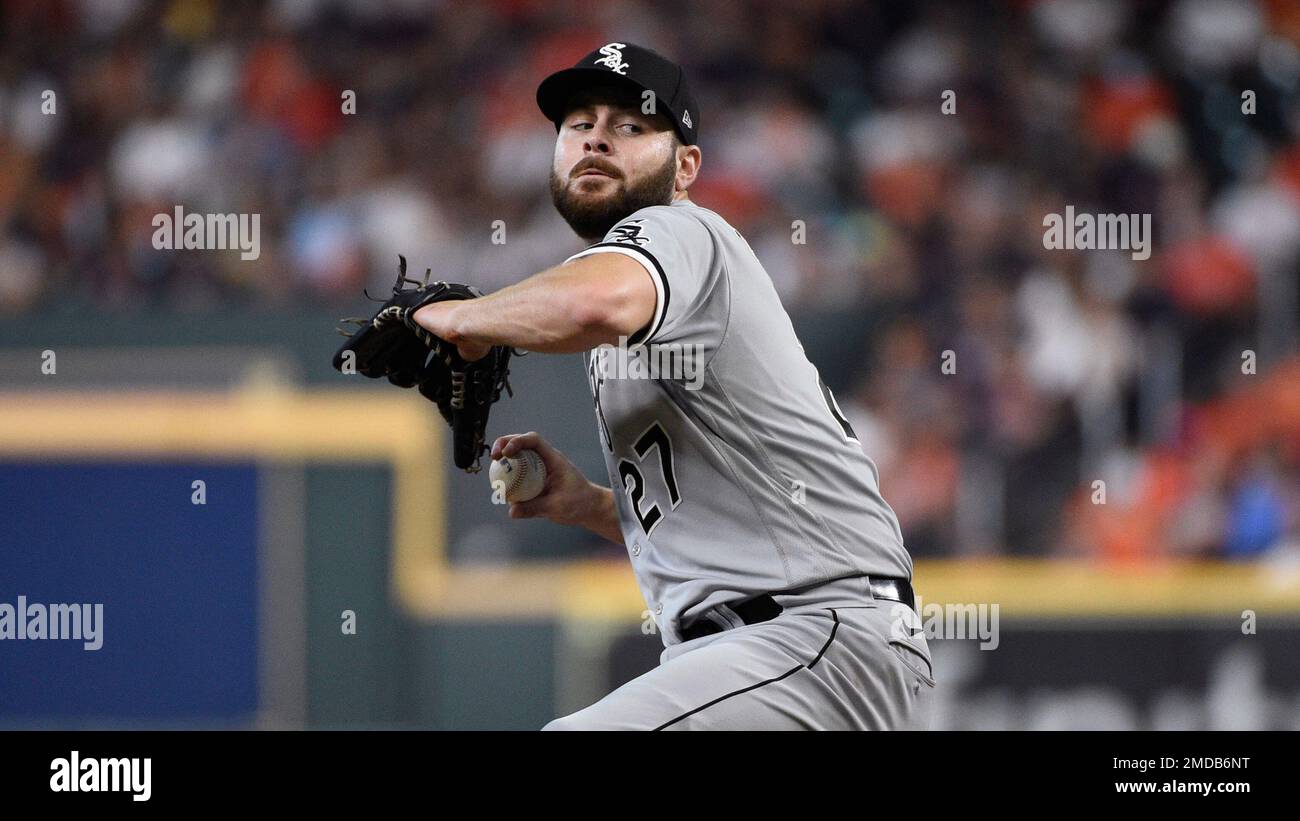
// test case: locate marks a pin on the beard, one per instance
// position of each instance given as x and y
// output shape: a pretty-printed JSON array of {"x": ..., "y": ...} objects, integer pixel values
[{"x": 591, "y": 215}]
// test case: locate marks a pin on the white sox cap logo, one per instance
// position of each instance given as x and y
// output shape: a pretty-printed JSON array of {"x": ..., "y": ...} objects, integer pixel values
[{"x": 613, "y": 58}]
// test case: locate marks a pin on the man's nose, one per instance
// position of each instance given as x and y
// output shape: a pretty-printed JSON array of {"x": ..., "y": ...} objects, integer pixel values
[{"x": 597, "y": 141}]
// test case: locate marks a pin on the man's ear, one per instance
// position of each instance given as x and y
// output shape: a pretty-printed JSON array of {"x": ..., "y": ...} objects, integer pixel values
[{"x": 688, "y": 164}]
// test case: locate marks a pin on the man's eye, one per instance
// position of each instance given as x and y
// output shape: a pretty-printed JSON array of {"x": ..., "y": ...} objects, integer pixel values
[{"x": 632, "y": 128}]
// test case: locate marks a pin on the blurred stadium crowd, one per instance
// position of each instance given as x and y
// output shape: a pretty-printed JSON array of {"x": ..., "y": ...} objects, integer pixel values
[{"x": 923, "y": 229}]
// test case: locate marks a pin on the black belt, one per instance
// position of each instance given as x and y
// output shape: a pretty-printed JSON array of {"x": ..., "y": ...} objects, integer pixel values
[{"x": 764, "y": 608}]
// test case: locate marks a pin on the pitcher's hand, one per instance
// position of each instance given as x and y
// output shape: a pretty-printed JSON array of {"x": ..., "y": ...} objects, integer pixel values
[{"x": 567, "y": 497}]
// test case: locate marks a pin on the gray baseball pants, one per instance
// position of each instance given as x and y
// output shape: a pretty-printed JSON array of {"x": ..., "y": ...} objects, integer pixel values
[{"x": 834, "y": 659}]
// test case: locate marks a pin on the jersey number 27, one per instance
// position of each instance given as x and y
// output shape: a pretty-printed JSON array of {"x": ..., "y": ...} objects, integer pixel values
[{"x": 654, "y": 438}]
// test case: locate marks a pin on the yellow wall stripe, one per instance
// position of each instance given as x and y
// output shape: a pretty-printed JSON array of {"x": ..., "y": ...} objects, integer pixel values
[{"x": 267, "y": 423}]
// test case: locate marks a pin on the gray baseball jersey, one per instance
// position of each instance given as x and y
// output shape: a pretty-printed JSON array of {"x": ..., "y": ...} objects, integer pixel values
[{"x": 734, "y": 471}]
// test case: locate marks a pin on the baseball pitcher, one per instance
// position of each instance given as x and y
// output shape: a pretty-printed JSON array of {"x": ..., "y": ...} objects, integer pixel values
[{"x": 753, "y": 520}]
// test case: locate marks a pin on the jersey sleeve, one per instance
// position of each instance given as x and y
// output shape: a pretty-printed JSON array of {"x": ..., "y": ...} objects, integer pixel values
[{"x": 678, "y": 252}]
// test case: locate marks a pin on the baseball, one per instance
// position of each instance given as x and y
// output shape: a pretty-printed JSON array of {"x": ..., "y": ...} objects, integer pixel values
[{"x": 522, "y": 476}]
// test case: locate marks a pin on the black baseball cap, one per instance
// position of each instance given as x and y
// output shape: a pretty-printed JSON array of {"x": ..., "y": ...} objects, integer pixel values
[{"x": 640, "y": 69}]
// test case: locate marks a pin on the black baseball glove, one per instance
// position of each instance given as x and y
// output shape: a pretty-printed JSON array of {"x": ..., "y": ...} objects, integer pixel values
[{"x": 391, "y": 344}]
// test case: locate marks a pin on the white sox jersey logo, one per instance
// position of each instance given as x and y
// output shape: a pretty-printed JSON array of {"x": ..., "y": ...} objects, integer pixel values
[
  {"x": 630, "y": 232},
  {"x": 613, "y": 59}
]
